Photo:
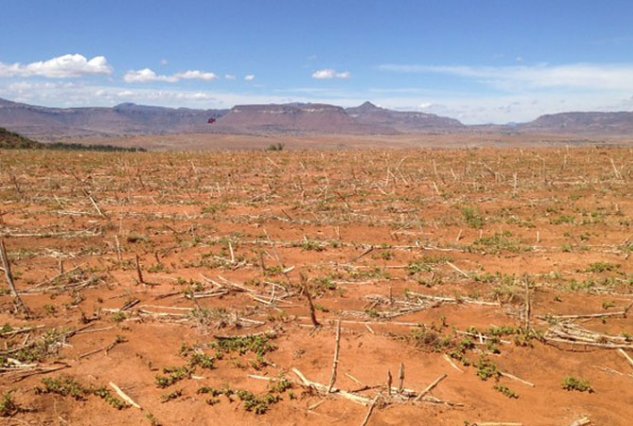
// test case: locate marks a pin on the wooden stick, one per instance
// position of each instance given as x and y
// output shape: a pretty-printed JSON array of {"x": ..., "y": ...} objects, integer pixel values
[
  {"x": 371, "y": 410},
  {"x": 316, "y": 405},
  {"x": 528, "y": 308},
  {"x": 323, "y": 389},
  {"x": 583, "y": 421},
  {"x": 313, "y": 317},
  {"x": 124, "y": 396},
  {"x": 497, "y": 424},
  {"x": 401, "y": 378},
  {"x": 513, "y": 377},
  {"x": 9, "y": 276},
  {"x": 583, "y": 343},
  {"x": 118, "y": 248},
  {"x": 354, "y": 379},
  {"x": 231, "y": 252},
  {"x": 139, "y": 273},
  {"x": 626, "y": 356},
  {"x": 430, "y": 387},
  {"x": 94, "y": 204},
  {"x": 36, "y": 372},
  {"x": 336, "y": 352},
  {"x": 584, "y": 316},
  {"x": 389, "y": 381},
  {"x": 457, "y": 269},
  {"x": 365, "y": 253},
  {"x": 450, "y": 361}
]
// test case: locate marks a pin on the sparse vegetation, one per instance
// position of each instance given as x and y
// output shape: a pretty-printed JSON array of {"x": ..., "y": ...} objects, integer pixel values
[
  {"x": 68, "y": 386},
  {"x": 473, "y": 218},
  {"x": 506, "y": 391},
  {"x": 276, "y": 147},
  {"x": 8, "y": 406},
  {"x": 575, "y": 384},
  {"x": 424, "y": 254}
]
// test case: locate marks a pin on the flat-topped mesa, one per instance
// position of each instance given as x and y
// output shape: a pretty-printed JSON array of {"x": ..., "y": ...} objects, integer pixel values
[
  {"x": 290, "y": 108},
  {"x": 293, "y": 117}
]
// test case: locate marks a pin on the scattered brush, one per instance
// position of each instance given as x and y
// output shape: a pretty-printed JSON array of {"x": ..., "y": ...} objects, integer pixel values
[{"x": 68, "y": 386}]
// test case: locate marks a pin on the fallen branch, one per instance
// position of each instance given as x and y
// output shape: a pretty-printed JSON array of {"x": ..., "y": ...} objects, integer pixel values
[
  {"x": 457, "y": 269},
  {"x": 626, "y": 356},
  {"x": 513, "y": 377},
  {"x": 124, "y": 396},
  {"x": 371, "y": 410},
  {"x": 430, "y": 387},
  {"x": 337, "y": 392},
  {"x": 584, "y": 421}
]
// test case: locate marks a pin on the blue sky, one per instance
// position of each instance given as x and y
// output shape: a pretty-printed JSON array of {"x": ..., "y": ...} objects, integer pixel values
[{"x": 478, "y": 61}]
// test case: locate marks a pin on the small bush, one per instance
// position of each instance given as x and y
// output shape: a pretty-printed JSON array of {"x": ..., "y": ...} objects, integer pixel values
[
  {"x": 276, "y": 147},
  {"x": 506, "y": 391},
  {"x": 473, "y": 218},
  {"x": 574, "y": 384},
  {"x": 8, "y": 406}
]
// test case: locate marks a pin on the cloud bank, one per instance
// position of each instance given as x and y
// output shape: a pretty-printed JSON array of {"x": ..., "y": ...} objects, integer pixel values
[
  {"x": 66, "y": 66},
  {"x": 523, "y": 78},
  {"x": 146, "y": 75}
]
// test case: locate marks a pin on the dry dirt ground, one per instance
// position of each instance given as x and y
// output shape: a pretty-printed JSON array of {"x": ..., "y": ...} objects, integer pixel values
[
  {"x": 502, "y": 276},
  {"x": 213, "y": 142}
]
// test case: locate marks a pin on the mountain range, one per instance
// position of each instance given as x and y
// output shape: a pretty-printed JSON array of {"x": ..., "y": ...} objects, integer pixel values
[{"x": 55, "y": 124}]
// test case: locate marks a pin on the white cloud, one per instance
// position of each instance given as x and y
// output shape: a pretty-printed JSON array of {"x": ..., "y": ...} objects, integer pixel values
[
  {"x": 249, "y": 77},
  {"x": 518, "y": 78},
  {"x": 147, "y": 75},
  {"x": 66, "y": 66},
  {"x": 196, "y": 75},
  {"x": 329, "y": 74},
  {"x": 229, "y": 76}
]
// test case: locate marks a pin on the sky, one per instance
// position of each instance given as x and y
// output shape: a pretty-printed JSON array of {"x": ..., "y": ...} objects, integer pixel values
[{"x": 474, "y": 60}]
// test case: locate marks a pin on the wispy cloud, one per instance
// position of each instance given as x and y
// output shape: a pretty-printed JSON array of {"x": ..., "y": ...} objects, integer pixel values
[
  {"x": 517, "y": 78},
  {"x": 249, "y": 77},
  {"x": 146, "y": 75},
  {"x": 66, "y": 66},
  {"x": 330, "y": 74}
]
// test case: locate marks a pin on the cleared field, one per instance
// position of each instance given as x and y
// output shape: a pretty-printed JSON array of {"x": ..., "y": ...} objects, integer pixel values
[{"x": 192, "y": 284}]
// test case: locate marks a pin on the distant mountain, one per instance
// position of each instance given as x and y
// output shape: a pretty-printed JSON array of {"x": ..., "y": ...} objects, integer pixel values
[
  {"x": 295, "y": 118},
  {"x": 582, "y": 123},
  {"x": 57, "y": 124},
  {"x": 403, "y": 121},
  {"x": 126, "y": 119}
]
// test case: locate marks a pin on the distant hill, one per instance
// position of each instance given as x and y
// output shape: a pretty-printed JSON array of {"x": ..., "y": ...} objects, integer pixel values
[
  {"x": 48, "y": 124},
  {"x": 403, "y": 121},
  {"x": 585, "y": 123},
  {"x": 54, "y": 124},
  {"x": 63, "y": 124},
  {"x": 12, "y": 140}
]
